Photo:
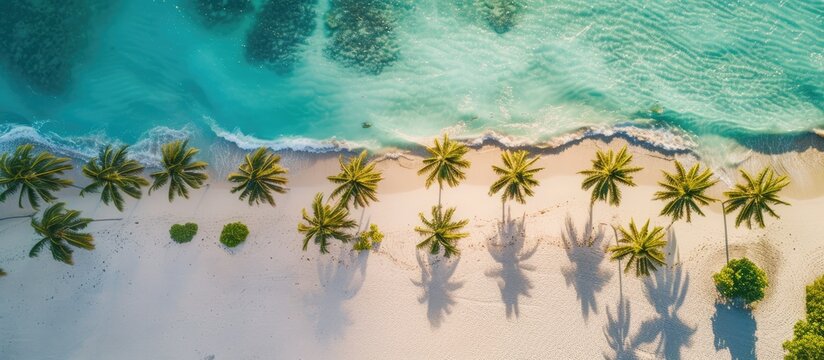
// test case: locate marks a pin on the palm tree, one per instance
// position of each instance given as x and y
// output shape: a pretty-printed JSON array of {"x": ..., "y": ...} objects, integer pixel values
[
  {"x": 684, "y": 191},
  {"x": 516, "y": 176},
  {"x": 753, "y": 198},
  {"x": 327, "y": 222},
  {"x": 34, "y": 176},
  {"x": 114, "y": 172},
  {"x": 446, "y": 163},
  {"x": 259, "y": 176},
  {"x": 60, "y": 228},
  {"x": 441, "y": 231},
  {"x": 643, "y": 247},
  {"x": 179, "y": 169},
  {"x": 608, "y": 171},
  {"x": 357, "y": 181}
]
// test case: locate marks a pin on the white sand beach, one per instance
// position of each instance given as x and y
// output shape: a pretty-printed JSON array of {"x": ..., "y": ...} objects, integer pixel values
[{"x": 538, "y": 285}]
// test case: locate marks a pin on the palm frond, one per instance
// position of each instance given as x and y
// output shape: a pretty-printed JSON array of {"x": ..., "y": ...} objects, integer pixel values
[
  {"x": 258, "y": 177},
  {"x": 113, "y": 173},
  {"x": 35, "y": 177},
  {"x": 326, "y": 222},
  {"x": 517, "y": 176},
  {"x": 446, "y": 163},
  {"x": 755, "y": 196},
  {"x": 684, "y": 191},
  {"x": 641, "y": 248},
  {"x": 609, "y": 170},
  {"x": 441, "y": 231},
  {"x": 61, "y": 228},
  {"x": 180, "y": 170},
  {"x": 357, "y": 182}
]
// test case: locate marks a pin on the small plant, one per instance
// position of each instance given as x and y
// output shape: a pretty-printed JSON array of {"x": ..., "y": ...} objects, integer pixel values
[
  {"x": 808, "y": 340},
  {"x": 234, "y": 234},
  {"x": 741, "y": 280},
  {"x": 183, "y": 233},
  {"x": 368, "y": 239}
]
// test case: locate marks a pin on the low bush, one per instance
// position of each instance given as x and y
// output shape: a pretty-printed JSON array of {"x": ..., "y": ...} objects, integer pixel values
[
  {"x": 741, "y": 280},
  {"x": 234, "y": 234},
  {"x": 368, "y": 238},
  {"x": 183, "y": 233},
  {"x": 808, "y": 339},
  {"x": 2, "y": 273}
]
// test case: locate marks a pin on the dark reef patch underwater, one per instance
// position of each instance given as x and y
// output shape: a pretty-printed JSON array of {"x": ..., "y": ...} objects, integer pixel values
[
  {"x": 501, "y": 15},
  {"x": 362, "y": 34},
  {"x": 41, "y": 41},
  {"x": 213, "y": 13},
  {"x": 279, "y": 32}
]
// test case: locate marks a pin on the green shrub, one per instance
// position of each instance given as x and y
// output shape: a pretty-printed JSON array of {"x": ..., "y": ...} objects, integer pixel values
[
  {"x": 741, "y": 280},
  {"x": 808, "y": 340},
  {"x": 234, "y": 234},
  {"x": 2, "y": 273},
  {"x": 368, "y": 238},
  {"x": 183, "y": 233}
]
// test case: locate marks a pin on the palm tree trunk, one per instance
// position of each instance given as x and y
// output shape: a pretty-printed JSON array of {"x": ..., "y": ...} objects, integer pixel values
[
  {"x": 726, "y": 241},
  {"x": 440, "y": 190},
  {"x": 109, "y": 219},
  {"x": 17, "y": 217},
  {"x": 591, "y": 226},
  {"x": 360, "y": 221}
]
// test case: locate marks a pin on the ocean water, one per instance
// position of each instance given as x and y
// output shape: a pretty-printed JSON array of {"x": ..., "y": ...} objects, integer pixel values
[{"x": 307, "y": 74}]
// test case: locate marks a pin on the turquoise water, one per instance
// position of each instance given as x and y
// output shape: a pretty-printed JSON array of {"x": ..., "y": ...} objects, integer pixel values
[{"x": 307, "y": 74}]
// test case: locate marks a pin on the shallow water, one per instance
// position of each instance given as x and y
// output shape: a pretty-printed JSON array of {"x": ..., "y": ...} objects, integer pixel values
[{"x": 299, "y": 73}]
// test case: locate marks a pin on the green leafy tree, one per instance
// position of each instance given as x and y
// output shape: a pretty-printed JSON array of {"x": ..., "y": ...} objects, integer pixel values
[
  {"x": 609, "y": 171},
  {"x": 327, "y": 222},
  {"x": 808, "y": 334},
  {"x": 258, "y": 177},
  {"x": 357, "y": 182},
  {"x": 753, "y": 199},
  {"x": 234, "y": 234},
  {"x": 441, "y": 232},
  {"x": 641, "y": 248},
  {"x": 446, "y": 163},
  {"x": 180, "y": 170},
  {"x": 684, "y": 191},
  {"x": 517, "y": 176},
  {"x": 59, "y": 229},
  {"x": 112, "y": 172},
  {"x": 368, "y": 238},
  {"x": 741, "y": 280},
  {"x": 183, "y": 233},
  {"x": 33, "y": 176}
]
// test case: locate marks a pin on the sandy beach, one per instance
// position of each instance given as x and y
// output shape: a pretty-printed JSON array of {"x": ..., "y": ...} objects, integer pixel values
[{"x": 531, "y": 283}]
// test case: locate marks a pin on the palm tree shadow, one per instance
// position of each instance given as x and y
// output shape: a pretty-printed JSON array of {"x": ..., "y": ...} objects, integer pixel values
[
  {"x": 666, "y": 290},
  {"x": 340, "y": 280},
  {"x": 437, "y": 287},
  {"x": 507, "y": 249},
  {"x": 616, "y": 332},
  {"x": 734, "y": 329},
  {"x": 584, "y": 271}
]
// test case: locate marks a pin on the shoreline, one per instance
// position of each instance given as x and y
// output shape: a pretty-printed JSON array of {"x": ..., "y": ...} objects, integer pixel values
[
  {"x": 532, "y": 278},
  {"x": 145, "y": 149}
]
